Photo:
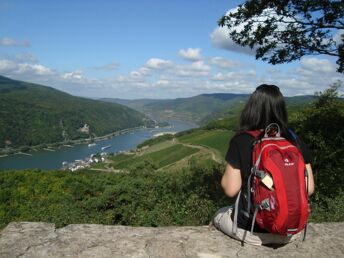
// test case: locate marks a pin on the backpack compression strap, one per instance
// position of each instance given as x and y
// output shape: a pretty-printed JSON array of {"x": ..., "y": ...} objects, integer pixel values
[
  {"x": 255, "y": 134},
  {"x": 236, "y": 207}
]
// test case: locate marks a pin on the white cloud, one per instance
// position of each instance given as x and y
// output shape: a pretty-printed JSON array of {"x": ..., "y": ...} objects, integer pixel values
[
  {"x": 7, "y": 66},
  {"x": 222, "y": 62},
  {"x": 159, "y": 64},
  {"x": 183, "y": 80},
  {"x": 314, "y": 66},
  {"x": 312, "y": 74},
  {"x": 108, "y": 67},
  {"x": 12, "y": 67},
  {"x": 8, "y": 42},
  {"x": 220, "y": 39},
  {"x": 191, "y": 54},
  {"x": 162, "y": 82},
  {"x": 247, "y": 75},
  {"x": 34, "y": 68},
  {"x": 232, "y": 86},
  {"x": 75, "y": 75},
  {"x": 197, "y": 68},
  {"x": 293, "y": 86},
  {"x": 141, "y": 72},
  {"x": 219, "y": 77}
]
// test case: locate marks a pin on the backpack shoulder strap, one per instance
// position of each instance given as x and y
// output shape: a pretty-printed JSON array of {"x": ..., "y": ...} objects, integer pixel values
[{"x": 292, "y": 134}]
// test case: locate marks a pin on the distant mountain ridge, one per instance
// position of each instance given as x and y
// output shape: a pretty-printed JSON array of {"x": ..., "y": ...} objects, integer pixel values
[
  {"x": 199, "y": 109},
  {"x": 193, "y": 109},
  {"x": 32, "y": 114},
  {"x": 224, "y": 96}
]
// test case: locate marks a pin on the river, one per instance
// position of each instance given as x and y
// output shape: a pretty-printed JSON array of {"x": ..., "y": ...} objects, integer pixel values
[{"x": 53, "y": 159}]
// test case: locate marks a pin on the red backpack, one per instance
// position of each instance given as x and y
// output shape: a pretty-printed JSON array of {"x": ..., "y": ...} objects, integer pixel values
[{"x": 277, "y": 186}]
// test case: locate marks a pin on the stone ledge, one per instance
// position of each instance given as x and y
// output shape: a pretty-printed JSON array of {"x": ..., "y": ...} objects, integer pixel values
[{"x": 32, "y": 239}]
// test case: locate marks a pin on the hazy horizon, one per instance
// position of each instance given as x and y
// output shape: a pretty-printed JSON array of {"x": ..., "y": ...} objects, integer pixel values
[{"x": 109, "y": 97}]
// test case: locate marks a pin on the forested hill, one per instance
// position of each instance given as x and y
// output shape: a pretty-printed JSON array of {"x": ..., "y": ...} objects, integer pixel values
[{"x": 32, "y": 114}]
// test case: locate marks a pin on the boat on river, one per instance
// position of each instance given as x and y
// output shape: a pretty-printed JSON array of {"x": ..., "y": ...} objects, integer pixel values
[{"x": 106, "y": 147}]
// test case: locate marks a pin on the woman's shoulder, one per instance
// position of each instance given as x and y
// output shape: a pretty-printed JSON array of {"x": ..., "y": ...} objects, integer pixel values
[{"x": 241, "y": 137}]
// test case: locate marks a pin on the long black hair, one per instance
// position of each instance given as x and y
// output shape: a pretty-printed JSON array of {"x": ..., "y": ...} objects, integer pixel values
[{"x": 266, "y": 105}]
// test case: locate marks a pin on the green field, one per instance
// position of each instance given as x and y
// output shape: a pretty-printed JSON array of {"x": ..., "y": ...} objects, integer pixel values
[
  {"x": 160, "y": 158},
  {"x": 100, "y": 165},
  {"x": 216, "y": 139},
  {"x": 120, "y": 157}
]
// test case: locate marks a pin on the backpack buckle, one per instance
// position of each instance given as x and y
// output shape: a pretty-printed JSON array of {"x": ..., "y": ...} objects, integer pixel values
[
  {"x": 265, "y": 204},
  {"x": 260, "y": 173}
]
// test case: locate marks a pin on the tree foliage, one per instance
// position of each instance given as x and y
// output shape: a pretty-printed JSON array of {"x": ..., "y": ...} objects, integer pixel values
[
  {"x": 321, "y": 126},
  {"x": 284, "y": 31}
]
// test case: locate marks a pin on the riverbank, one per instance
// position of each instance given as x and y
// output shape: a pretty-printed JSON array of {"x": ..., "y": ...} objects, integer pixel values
[{"x": 27, "y": 150}]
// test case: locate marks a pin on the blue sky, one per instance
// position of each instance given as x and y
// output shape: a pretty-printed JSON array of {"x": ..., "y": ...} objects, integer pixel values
[{"x": 133, "y": 49}]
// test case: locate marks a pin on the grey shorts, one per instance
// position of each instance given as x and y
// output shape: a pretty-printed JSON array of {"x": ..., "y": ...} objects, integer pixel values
[{"x": 223, "y": 222}]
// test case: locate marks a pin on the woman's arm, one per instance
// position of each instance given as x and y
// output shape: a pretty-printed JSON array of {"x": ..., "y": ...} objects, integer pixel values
[
  {"x": 231, "y": 181},
  {"x": 310, "y": 186}
]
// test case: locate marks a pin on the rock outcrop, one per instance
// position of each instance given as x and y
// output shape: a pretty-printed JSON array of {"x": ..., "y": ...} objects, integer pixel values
[{"x": 29, "y": 239}]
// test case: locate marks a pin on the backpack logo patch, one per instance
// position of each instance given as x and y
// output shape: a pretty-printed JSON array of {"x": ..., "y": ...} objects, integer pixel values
[{"x": 288, "y": 163}]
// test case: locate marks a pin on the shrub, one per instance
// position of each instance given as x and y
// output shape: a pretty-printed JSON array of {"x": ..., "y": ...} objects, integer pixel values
[{"x": 321, "y": 126}]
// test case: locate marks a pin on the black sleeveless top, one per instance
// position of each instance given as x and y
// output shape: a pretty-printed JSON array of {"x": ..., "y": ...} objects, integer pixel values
[{"x": 239, "y": 156}]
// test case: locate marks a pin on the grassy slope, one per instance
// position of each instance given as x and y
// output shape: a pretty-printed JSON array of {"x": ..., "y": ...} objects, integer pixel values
[
  {"x": 177, "y": 152},
  {"x": 216, "y": 139},
  {"x": 160, "y": 158},
  {"x": 32, "y": 114}
]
